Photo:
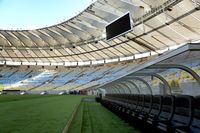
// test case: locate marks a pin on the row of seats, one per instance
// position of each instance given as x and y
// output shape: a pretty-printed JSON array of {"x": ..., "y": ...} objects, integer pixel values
[{"x": 159, "y": 113}]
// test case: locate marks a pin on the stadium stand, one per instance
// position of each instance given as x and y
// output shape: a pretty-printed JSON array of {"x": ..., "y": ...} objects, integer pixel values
[
  {"x": 149, "y": 76},
  {"x": 58, "y": 80}
]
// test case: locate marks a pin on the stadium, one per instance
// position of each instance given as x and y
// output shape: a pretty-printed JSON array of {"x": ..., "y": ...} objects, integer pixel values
[{"x": 118, "y": 66}]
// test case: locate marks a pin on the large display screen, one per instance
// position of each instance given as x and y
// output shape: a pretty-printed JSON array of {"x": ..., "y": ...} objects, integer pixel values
[{"x": 118, "y": 27}]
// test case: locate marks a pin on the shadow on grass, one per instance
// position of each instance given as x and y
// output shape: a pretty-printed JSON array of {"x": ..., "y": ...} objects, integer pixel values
[{"x": 94, "y": 118}]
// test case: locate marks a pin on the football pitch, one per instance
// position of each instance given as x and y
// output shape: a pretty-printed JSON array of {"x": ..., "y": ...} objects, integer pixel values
[
  {"x": 91, "y": 117},
  {"x": 52, "y": 113},
  {"x": 36, "y": 113}
]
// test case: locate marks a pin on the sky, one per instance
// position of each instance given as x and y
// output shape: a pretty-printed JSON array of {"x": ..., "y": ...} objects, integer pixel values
[{"x": 33, "y": 14}]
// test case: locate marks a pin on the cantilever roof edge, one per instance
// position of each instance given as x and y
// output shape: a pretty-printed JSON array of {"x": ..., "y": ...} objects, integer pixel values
[{"x": 164, "y": 56}]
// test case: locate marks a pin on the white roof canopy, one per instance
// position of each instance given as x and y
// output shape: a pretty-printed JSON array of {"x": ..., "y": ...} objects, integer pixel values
[{"x": 157, "y": 25}]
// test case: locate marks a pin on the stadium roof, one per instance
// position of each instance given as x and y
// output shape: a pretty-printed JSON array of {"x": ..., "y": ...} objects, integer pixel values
[{"x": 157, "y": 27}]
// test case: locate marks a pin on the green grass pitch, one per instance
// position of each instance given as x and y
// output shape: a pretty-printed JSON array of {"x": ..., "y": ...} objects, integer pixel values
[
  {"x": 35, "y": 113},
  {"x": 94, "y": 118},
  {"x": 50, "y": 114}
]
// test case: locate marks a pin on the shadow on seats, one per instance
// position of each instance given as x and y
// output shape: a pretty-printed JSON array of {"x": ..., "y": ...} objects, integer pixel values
[
  {"x": 195, "y": 124},
  {"x": 182, "y": 115}
]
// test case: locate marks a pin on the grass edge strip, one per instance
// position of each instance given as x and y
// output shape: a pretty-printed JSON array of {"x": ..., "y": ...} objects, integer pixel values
[{"x": 68, "y": 125}]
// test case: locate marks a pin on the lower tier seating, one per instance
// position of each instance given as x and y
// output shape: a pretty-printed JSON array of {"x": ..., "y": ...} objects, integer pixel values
[{"x": 159, "y": 113}]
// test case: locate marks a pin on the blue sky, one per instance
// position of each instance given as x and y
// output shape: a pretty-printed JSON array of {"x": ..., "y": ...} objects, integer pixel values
[{"x": 31, "y": 14}]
